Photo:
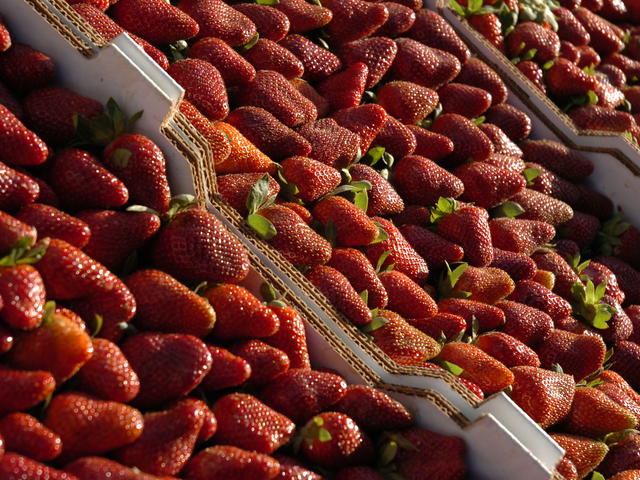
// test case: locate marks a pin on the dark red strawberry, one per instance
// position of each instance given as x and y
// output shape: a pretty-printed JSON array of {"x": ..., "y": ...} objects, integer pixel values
[
  {"x": 604, "y": 38},
  {"x": 51, "y": 222},
  {"x": 578, "y": 355},
  {"x": 13, "y": 465},
  {"x": 406, "y": 101},
  {"x": 570, "y": 28},
  {"x": 366, "y": 121},
  {"x": 290, "y": 337},
  {"x": 401, "y": 19},
  {"x": 234, "y": 188},
  {"x": 596, "y": 117},
  {"x": 18, "y": 144},
  {"x": 507, "y": 349},
  {"x": 406, "y": 298},
  {"x": 373, "y": 409},
  {"x": 331, "y": 143},
  {"x": 230, "y": 370},
  {"x": 464, "y": 100},
  {"x": 418, "y": 63},
  {"x": 430, "y": 144},
  {"x": 23, "y": 69},
  {"x": 12, "y": 230},
  {"x": 434, "y": 31},
  {"x": 488, "y": 25},
  {"x": 360, "y": 273},
  {"x": 25, "y": 435},
  {"x": 353, "y": 20},
  {"x": 518, "y": 265},
  {"x": 470, "y": 143},
  {"x": 487, "y": 317},
  {"x": 396, "y": 138},
  {"x": 441, "y": 325},
  {"x": 515, "y": 123},
  {"x": 529, "y": 325},
  {"x": 22, "y": 389},
  {"x": 557, "y": 158},
  {"x": 431, "y": 246},
  {"x": 344, "y": 89},
  {"x": 377, "y": 53},
  {"x": 99, "y": 467},
  {"x": 488, "y": 186},
  {"x": 521, "y": 236},
  {"x": 270, "y": 23},
  {"x": 10, "y": 101},
  {"x": 23, "y": 293},
  {"x": 383, "y": 199},
  {"x": 269, "y": 55},
  {"x": 266, "y": 361},
  {"x": 318, "y": 62},
  {"x": 226, "y": 461},
  {"x": 534, "y": 73},
  {"x": 501, "y": 142},
  {"x": 543, "y": 208},
  {"x": 421, "y": 181},
  {"x": 528, "y": 36},
  {"x": 304, "y": 16},
  {"x": 235, "y": 70}
]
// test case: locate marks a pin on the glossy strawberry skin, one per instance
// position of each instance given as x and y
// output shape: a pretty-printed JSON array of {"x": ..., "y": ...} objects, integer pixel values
[
  {"x": 232, "y": 371},
  {"x": 507, "y": 349},
  {"x": 290, "y": 337},
  {"x": 23, "y": 293},
  {"x": 19, "y": 145},
  {"x": 217, "y": 19},
  {"x": 266, "y": 362},
  {"x": 22, "y": 389},
  {"x": 51, "y": 222},
  {"x": 23, "y": 69},
  {"x": 418, "y": 63},
  {"x": 13, "y": 465},
  {"x": 468, "y": 140},
  {"x": 434, "y": 31},
  {"x": 227, "y": 461},
  {"x": 12, "y": 230},
  {"x": 360, "y": 402},
  {"x": 99, "y": 467},
  {"x": 270, "y": 23},
  {"x": 406, "y": 297},
  {"x": 354, "y": 265},
  {"x": 421, "y": 181},
  {"x": 235, "y": 70},
  {"x": 25, "y": 435}
]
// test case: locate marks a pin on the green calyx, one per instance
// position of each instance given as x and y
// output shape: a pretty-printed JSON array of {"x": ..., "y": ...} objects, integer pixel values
[
  {"x": 508, "y": 209},
  {"x": 577, "y": 265},
  {"x": 376, "y": 323},
  {"x": 448, "y": 280},
  {"x": 378, "y": 156},
  {"x": 314, "y": 430},
  {"x": 442, "y": 208},
  {"x": 355, "y": 191},
  {"x": 589, "y": 306},
  {"x": 24, "y": 253},
  {"x": 258, "y": 199},
  {"x": 177, "y": 204},
  {"x": 608, "y": 238},
  {"x": 530, "y": 174},
  {"x": 539, "y": 11},
  {"x": 106, "y": 127},
  {"x": 271, "y": 296}
]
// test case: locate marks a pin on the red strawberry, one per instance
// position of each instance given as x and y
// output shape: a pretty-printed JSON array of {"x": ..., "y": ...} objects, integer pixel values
[
  {"x": 304, "y": 16},
  {"x": 401, "y": 19},
  {"x": 570, "y": 28},
  {"x": 354, "y": 19},
  {"x": 5, "y": 37},
  {"x": 578, "y": 355},
  {"x": 266, "y": 361},
  {"x": 239, "y": 314},
  {"x": 533, "y": 36},
  {"x": 244, "y": 156},
  {"x": 433, "y": 30},
  {"x": 331, "y": 143},
  {"x": 344, "y": 89},
  {"x": 377, "y": 53},
  {"x": 596, "y": 117},
  {"x": 534, "y": 73},
  {"x": 312, "y": 179},
  {"x": 507, "y": 349},
  {"x": 588, "y": 57},
  {"x": 99, "y": 467},
  {"x": 269, "y": 55},
  {"x": 417, "y": 63},
  {"x": 13, "y": 466},
  {"x": 515, "y": 123},
  {"x": 406, "y": 101},
  {"x": 271, "y": 91},
  {"x": 529, "y": 325},
  {"x": 167, "y": 440},
  {"x": 564, "y": 78},
  {"x": 544, "y": 395},
  {"x": 366, "y": 121},
  {"x": 10, "y": 101},
  {"x": 518, "y": 265},
  {"x": 488, "y": 25},
  {"x": 557, "y": 158},
  {"x": 501, "y": 142},
  {"x": 413, "y": 215},
  {"x": 18, "y": 144},
  {"x": 430, "y": 144},
  {"x": 470, "y": 143},
  {"x": 396, "y": 138},
  {"x": 108, "y": 374},
  {"x": 440, "y": 325},
  {"x": 270, "y": 23},
  {"x": 627, "y": 277},
  {"x": 541, "y": 207},
  {"x": 24, "y": 296},
  {"x": 230, "y": 370},
  {"x": 422, "y": 181},
  {"x": 536, "y": 295},
  {"x": 565, "y": 276},
  {"x": 478, "y": 74},
  {"x": 604, "y": 38},
  {"x": 585, "y": 453},
  {"x": 431, "y": 246},
  {"x": 231, "y": 462},
  {"x": 23, "y": 389},
  {"x": 487, "y": 317},
  {"x": 24, "y": 434},
  {"x": 245, "y": 422},
  {"x": 487, "y": 185},
  {"x": 383, "y": 199},
  {"x": 23, "y": 69},
  {"x": 406, "y": 298},
  {"x": 358, "y": 270},
  {"x": 235, "y": 70},
  {"x": 521, "y": 236},
  {"x": 593, "y": 414},
  {"x": 622, "y": 456},
  {"x": 599, "y": 274},
  {"x": 464, "y": 100},
  {"x": 486, "y": 285},
  {"x": 12, "y": 230},
  {"x": 187, "y": 236},
  {"x": 352, "y": 225},
  {"x": 318, "y": 62},
  {"x": 373, "y": 409},
  {"x": 358, "y": 473},
  {"x": 51, "y": 222},
  {"x": 290, "y": 337},
  {"x": 168, "y": 365},
  {"x": 625, "y": 356},
  {"x": 234, "y": 188}
]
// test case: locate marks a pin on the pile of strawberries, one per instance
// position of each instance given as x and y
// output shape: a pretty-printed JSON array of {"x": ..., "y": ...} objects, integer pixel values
[
  {"x": 112, "y": 367},
  {"x": 584, "y": 54}
]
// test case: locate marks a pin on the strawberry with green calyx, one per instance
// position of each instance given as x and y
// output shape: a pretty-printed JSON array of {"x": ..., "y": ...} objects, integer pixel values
[
  {"x": 589, "y": 306},
  {"x": 12, "y": 230},
  {"x": 486, "y": 285},
  {"x": 487, "y": 317},
  {"x": 585, "y": 453},
  {"x": 421, "y": 181},
  {"x": 617, "y": 237},
  {"x": 383, "y": 199},
  {"x": 490, "y": 21},
  {"x": 622, "y": 456},
  {"x": 308, "y": 179},
  {"x": 616, "y": 388},
  {"x": 443, "y": 326},
  {"x": 51, "y": 222},
  {"x": 508, "y": 350},
  {"x": 350, "y": 222},
  {"x": 266, "y": 362}
]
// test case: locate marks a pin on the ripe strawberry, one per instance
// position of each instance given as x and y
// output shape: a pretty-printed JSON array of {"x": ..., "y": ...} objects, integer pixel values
[
  {"x": 230, "y": 462},
  {"x": 486, "y": 284},
  {"x": 593, "y": 414},
  {"x": 518, "y": 265},
  {"x": 604, "y": 38},
  {"x": 377, "y": 53},
  {"x": 353, "y": 20},
  {"x": 487, "y": 185},
  {"x": 372, "y": 409},
  {"x": 578, "y": 355},
  {"x": 108, "y": 30},
  {"x": 430, "y": 144},
  {"x": 246, "y": 422},
  {"x": 627, "y": 277},
  {"x": 487, "y": 317},
  {"x": 269, "y": 55},
  {"x": 470, "y": 143},
  {"x": 345, "y": 445},
  {"x": 582, "y": 229},
  {"x": 344, "y": 89},
  {"x": 565, "y": 276},
  {"x": 426, "y": 66},
  {"x": 403, "y": 343},
  {"x": 266, "y": 361},
  {"x": 360, "y": 273},
  {"x": 595, "y": 117},
  {"x": 588, "y": 57},
  {"x": 557, "y": 158},
  {"x": 413, "y": 215},
  {"x": 6, "y": 340},
  {"x": 502, "y": 144},
  {"x": 543, "y": 208},
  {"x": 478, "y": 74},
  {"x": 233, "y": 68},
  {"x": 515, "y": 123},
  {"x": 396, "y": 138},
  {"x": 570, "y": 28},
  {"x": 318, "y": 62},
  {"x": 23, "y": 69},
  {"x": 401, "y": 18},
  {"x": 618, "y": 390},
  {"x": 50, "y": 112},
  {"x": 173, "y": 251},
  {"x": 633, "y": 312},
  {"x": 585, "y": 453},
  {"x": 108, "y": 374},
  {"x": 270, "y": 23},
  {"x": 244, "y": 156},
  {"x": 18, "y": 144},
  {"x": 488, "y": 25},
  {"x": 12, "y": 230},
  {"x": 11, "y": 102},
  {"x": 330, "y": 143},
  {"x": 234, "y": 188},
  {"x": 312, "y": 179},
  {"x": 421, "y": 181},
  {"x": 22, "y": 389},
  {"x": 383, "y": 199},
  {"x": 290, "y": 337},
  {"x": 304, "y": 16},
  {"x": 529, "y": 325},
  {"x": 51, "y": 222},
  {"x": 613, "y": 75},
  {"x": 5, "y": 37},
  {"x": 403, "y": 256},
  {"x": 464, "y": 100},
  {"x": 521, "y": 236},
  {"x": 598, "y": 273},
  {"x": 352, "y": 225},
  {"x": 167, "y": 440},
  {"x": 544, "y": 395},
  {"x": 271, "y": 91},
  {"x": 366, "y": 121},
  {"x": 431, "y": 246},
  {"x": 358, "y": 473},
  {"x": 434, "y": 31},
  {"x": 533, "y": 36},
  {"x": 230, "y": 370},
  {"x": 24, "y": 296},
  {"x": 627, "y": 475},
  {"x": 25, "y": 435},
  {"x": 508, "y": 350},
  {"x": 13, "y": 465},
  {"x": 440, "y": 325},
  {"x": 534, "y": 73},
  {"x": 622, "y": 456},
  {"x": 406, "y": 298},
  {"x": 626, "y": 356},
  {"x": 169, "y": 365},
  {"x": 100, "y": 467},
  {"x": 406, "y": 101}
]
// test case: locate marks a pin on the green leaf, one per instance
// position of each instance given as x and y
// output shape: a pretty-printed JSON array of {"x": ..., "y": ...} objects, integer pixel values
[
  {"x": 388, "y": 453},
  {"x": 267, "y": 2},
  {"x": 375, "y": 324},
  {"x": 530, "y": 174},
  {"x": 374, "y": 155},
  {"x": 263, "y": 227},
  {"x": 455, "y": 274},
  {"x": 597, "y": 476},
  {"x": 509, "y": 209},
  {"x": 381, "y": 260},
  {"x": 382, "y": 236},
  {"x": 324, "y": 435},
  {"x": 548, "y": 65},
  {"x": 268, "y": 293},
  {"x": 452, "y": 367},
  {"x": 600, "y": 290},
  {"x": 49, "y": 310},
  {"x": 258, "y": 197},
  {"x": 474, "y": 5},
  {"x": 250, "y": 44},
  {"x": 459, "y": 9},
  {"x": 364, "y": 295},
  {"x": 529, "y": 54},
  {"x": 593, "y": 97},
  {"x": 479, "y": 120},
  {"x": 97, "y": 326},
  {"x": 361, "y": 200}
]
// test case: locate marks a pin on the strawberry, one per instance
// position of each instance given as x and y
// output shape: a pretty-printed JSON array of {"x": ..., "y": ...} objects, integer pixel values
[
  {"x": 543, "y": 208},
  {"x": 508, "y": 350},
  {"x": 529, "y": 325},
  {"x": 210, "y": 423},
  {"x": 311, "y": 178},
  {"x": 270, "y": 23},
  {"x": 24, "y": 434},
  {"x": 521, "y": 236},
  {"x": 304, "y": 16},
  {"x": 99, "y": 467},
  {"x": 604, "y": 38},
  {"x": 309, "y": 92},
  {"x": 413, "y": 215},
  {"x": 633, "y": 312},
  {"x": 6, "y": 340},
  {"x": 426, "y": 66},
  {"x": 614, "y": 76},
  {"x": 377, "y": 53},
  {"x": 246, "y": 422},
  {"x": 13, "y": 466},
  {"x": 5, "y": 37},
  {"x": 244, "y": 156},
  {"x": 290, "y": 337},
  {"x": 585, "y": 453},
  {"x": 440, "y": 325},
  {"x": 551, "y": 184},
  {"x": 396, "y": 138},
  {"x": 352, "y": 225},
  {"x": 406, "y": 298},
  {"x": 570, "y": 28},
  {"x": 344, "y": 89},
  {"x": 269, "y": 55},
  {"x": 271, "y": 91},
  {"x": 487, "y": 317},
  {"x": 360, "y": 273},
  {"x": 218, "y": 142},
  {"x": 464, "y": 100},
  {"x": 335, "y": 286},
  {"x": 108, "y": 30},
  {"x": 401, "y": 19},
  {"x": 627, "y": 277},
  {"x": 59, "y": 345},
  {"x": 406, "y": 101},
  {"x": 431, "y": 246},
  {"x": 625, "y": 356},
  {"x": 353, "y": 20},
  {"x": 588, "y": 57},
  {"x": 23, "y": 69},
  {"x": 230, "y": 370},
  {"x": 266, "y": 361},
  {"x": 372, "y": 409},
  {"x": 538, "y": 296},
  {"x": 430, "y": 144},
  {"x": 12, "y": 230},
  {"x": 334, "y": 440},
  {"x": 557, "y": 158},
  {"x": 23, "y": 292},
  {"x": 582, "y": 229},
  {"x": 627, "y": 475},
  {"x": 622, "y": 456},
  {"x": 565, "y": 276},
  {"x": 485, "y": 284},
  {"x": 23, "y": 389},
  {"x": 470, "y": 143},
  {"x": 478, "y": 74},
  {"x": 233, "y": 68},
  {"x": 533, "y": 36},
  {"x": 618, "y": 390},
  {"x": 11, "y": 102},
  {"x": 173, "y": 251},
  {"x": 167, "y": 440},
  {"x": 85, "y": 182},
  {"x": 544, "y": 395},
  {"x": 578, "y": 355},
  {"x": 421, "y": 181},
  {"x": 50, "y": 112},
  {"x": 594, "y": 414},
  {"x": 488, "y": 25},
  {"x": 330, "y": 143},
  {"x": 501, "y": 142},
  {"x": 168, "y": 365},
  {"x": 108, "y": 374},
  {"x": 234, "y": 188},
  {"x": 403, "y": 256},
  {"x": 595, "y": 117},
  {"x": 534, "y": 73},
  {"x": 230, "y": 462},
  {"x": 598, "y": 274},
  {"x": 515, "y": 123},
  {"x": 518, "y": 265},
  {"x": 366, "y": 121},
  {"x": 318, "y": 62},
  {"x": 434, "y": 31},
  {"x": 358, "y": 473},
  {"x": 51, "y": 222},
  {"x": 487, "y": 185},
  {"x": 383, "y": 199},
  {"x": 18, "y": 144},
  {"x": 403, "y": 343}
]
